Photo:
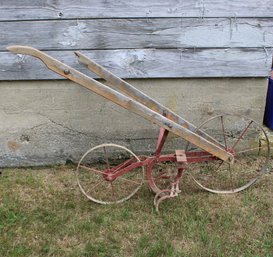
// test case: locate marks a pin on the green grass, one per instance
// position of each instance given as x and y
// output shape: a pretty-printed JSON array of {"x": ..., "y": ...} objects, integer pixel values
[{"x": 43, "y": 213}]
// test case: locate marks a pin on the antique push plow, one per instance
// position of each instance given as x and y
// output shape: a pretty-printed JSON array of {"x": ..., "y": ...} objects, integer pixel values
[{"x": 226, "y": 154}]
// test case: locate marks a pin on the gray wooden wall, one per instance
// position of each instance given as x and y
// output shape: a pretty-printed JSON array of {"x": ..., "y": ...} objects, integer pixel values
[{"x": 141, "y": 39}]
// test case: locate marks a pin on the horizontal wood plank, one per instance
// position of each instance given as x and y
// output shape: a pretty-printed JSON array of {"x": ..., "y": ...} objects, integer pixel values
[
  {"x": 149, "y": 63},
  {"x": 138, "y": 33},
  {"x": 67, "y": 9}
]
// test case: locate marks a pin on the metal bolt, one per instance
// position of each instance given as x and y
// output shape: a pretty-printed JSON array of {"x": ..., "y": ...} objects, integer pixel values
[
  {"x": 66, "y": 71},
  {"x": 168, "y": 124}
]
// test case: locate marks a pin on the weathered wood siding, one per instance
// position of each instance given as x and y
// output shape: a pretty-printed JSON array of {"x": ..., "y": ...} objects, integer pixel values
[
  {"x": 73, "y": 9},
  {"x": 141, "y": 39}
]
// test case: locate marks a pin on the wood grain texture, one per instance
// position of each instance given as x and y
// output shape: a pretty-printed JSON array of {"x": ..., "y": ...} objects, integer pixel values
[
  {"x": 138, "y": 33},
  {"x": 67, "y": 9},
  {"x": 149, "y": 63},
  {"x": 123, "y": 101}
]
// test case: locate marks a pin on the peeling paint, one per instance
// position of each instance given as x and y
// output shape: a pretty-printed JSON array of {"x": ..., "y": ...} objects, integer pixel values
[
  {"x": 20, "y": 58},
  {"x": 136, "y": 63},
  {"x": 74, "y": 34}
]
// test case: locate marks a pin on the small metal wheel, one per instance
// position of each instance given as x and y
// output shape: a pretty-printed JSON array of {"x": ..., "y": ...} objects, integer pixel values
[
  {"x": 161, "y": 175},
  {"x": 96, "y": 174},
  {"x": 245, "y": 140}
]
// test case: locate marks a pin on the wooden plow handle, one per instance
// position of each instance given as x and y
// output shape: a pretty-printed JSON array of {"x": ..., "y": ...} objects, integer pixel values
[
  {"x": 123, "y": 101},
  {"x": 139, "y": 96},
  {"x": 131, "y": 91}
]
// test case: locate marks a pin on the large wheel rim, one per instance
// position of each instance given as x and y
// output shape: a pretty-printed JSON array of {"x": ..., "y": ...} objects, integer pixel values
[
  {"x": 259, "y": 165},
  {"x": 119, "y": 199}
]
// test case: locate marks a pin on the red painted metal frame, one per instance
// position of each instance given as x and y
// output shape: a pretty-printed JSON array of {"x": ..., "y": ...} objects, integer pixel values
[{"x": 129, "y": 165}]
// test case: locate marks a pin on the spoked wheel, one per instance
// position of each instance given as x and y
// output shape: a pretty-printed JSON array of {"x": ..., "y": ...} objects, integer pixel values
[
  {"x": 243, "y": 138},
  {"x": 96, "y": 171}
]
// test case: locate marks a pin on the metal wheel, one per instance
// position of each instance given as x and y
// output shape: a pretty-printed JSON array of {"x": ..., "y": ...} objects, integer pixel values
[
  {"x": 242, "y": 137},
  {"x": 97, "y": 167}
]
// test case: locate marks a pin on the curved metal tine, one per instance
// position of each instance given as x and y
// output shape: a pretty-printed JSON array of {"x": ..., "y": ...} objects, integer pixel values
[
  {"x": 160, "y": 199},
  {"x": 157, "y": 199}
]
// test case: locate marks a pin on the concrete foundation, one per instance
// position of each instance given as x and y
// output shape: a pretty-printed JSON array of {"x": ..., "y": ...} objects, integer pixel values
[{"x": 54, "y": 122}]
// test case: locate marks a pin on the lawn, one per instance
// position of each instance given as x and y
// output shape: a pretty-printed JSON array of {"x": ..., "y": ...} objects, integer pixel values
[{"x": 43, "y": 213}]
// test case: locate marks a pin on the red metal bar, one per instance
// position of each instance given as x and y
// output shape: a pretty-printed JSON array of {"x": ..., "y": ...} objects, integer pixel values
[
  {"x": 163, "y": 133},
  {"x": 132, "y": 166},
  {"x": 197, "y": 153},
  {"x": 122, "y": 165},
  {"x": 201, "y": 159},
  {"x": 127, "y": 166}
]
